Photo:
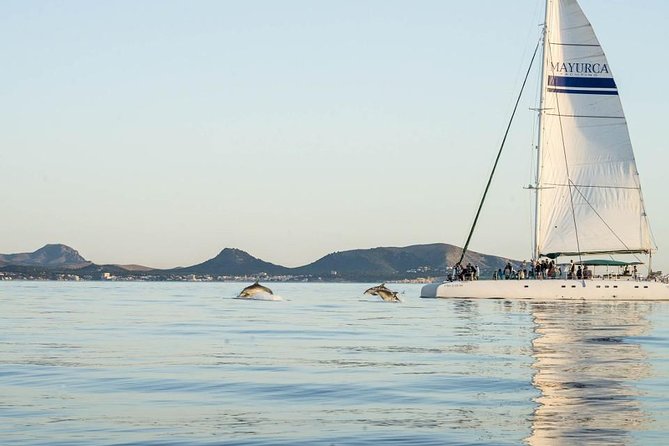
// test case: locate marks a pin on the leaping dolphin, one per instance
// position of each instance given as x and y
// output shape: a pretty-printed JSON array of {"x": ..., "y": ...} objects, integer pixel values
[
  {"x": 384, "y": 293},
  {"x": 254, "y": 289}
]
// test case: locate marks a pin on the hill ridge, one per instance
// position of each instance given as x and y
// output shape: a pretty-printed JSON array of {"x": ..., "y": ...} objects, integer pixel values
[
  {"x": 52, "y": 255},
  {"x": 365, "y": 264}
]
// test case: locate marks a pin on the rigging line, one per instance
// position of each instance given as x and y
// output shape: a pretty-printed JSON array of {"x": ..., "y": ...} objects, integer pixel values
[
  {"x": 534, "y": 147},
  {"x": 644, "y": 215},
  {"x": 652, "y": 234},
  {"x": 535, "y": 153},
  {"x": 540, "y": 139},
  {"x": 650, "y": 228},
  {"x": 499, "y": 153},
  {"x": 602, "y": 219},
  {"x": 566, "y": 166}
]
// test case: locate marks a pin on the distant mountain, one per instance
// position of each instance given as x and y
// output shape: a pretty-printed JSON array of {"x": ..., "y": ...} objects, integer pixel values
[
  {"x": 396, "y": 263},
  {"x": 234, "y": 262},
  {"x": 376, "y": 264},
  {"x": 49, "y": 256}
]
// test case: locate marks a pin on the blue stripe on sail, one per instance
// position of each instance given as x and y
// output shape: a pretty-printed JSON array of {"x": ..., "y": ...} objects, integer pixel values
[
  {"x": 581, "y": 82},
  {"x": 566, "y": 90}
]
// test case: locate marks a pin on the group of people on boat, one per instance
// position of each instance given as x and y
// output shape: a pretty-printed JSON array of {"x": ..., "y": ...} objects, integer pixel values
[
  {"x": 535, "y": 269},
  {"x": 544, "y": 269},
  {"x": 579, "y": 273},
  {"x": 469, "y": 272},
  {"x": 634, "y": 273}
]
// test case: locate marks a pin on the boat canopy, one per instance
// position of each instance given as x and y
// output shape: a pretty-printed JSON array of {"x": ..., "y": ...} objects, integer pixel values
[
  {"x": 555, "y": 255},
  {"x": 605, "y": 262}
]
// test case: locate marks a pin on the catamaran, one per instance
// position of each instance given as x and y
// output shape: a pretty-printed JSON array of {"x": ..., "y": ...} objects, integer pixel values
[{"x": 588, "y": 199}]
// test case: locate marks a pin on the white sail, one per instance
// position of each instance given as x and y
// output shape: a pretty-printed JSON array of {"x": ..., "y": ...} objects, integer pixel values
[{"x": 589, "y": 191}]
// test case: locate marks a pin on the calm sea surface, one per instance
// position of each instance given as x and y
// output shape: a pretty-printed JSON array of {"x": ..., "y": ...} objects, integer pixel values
[{"x": 186, "y": 363}]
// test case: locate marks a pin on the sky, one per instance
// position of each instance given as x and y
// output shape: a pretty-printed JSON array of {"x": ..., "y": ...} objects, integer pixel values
[{"x": 161, "y": 132}]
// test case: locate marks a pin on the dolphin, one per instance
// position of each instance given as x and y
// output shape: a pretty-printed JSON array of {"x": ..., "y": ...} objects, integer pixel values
[
  {"x": 384, "y": 293},
  {"x": 254, "y": 289}
]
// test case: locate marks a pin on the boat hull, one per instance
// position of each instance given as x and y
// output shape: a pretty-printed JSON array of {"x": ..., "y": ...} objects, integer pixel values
[{"x": 623, "y": 290}]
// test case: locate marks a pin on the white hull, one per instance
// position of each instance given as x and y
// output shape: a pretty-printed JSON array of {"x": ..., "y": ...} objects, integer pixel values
[{"x": 623, "y": 290}]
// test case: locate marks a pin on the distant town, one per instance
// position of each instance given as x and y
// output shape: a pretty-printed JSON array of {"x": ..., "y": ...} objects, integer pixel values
[
  {"x": 43, "y": 274},
  {"x": 181, "y": 278}
]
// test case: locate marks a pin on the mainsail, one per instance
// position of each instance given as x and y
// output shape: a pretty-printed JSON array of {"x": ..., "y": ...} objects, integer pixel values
[{"x": 589, "y": 195}]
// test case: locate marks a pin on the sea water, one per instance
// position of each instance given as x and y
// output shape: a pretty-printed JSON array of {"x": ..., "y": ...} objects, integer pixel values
[{"x": 113, "y": 363}]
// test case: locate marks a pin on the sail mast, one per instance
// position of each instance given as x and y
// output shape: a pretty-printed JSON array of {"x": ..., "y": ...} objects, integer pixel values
[{"x": 537, "y": 187}]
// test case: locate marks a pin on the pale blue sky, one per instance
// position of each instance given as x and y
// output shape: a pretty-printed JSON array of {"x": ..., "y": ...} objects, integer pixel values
[{"x": 160, "y": 132}]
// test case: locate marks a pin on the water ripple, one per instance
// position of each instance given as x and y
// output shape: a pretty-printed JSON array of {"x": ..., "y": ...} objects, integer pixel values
[{"x": 181, "y": 364}]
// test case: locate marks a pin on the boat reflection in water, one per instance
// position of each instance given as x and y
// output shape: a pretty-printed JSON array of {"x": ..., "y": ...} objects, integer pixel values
[{"x": 587, "y": 369}]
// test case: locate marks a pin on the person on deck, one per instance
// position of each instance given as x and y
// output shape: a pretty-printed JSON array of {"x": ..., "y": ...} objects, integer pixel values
[
  {"x": 469, "y": 272},
  {"x": 458, "y": 271},
  {"x": 551, "y": 270},
  {"x": 455, "y": 273},
  {"x": 587, "y": 273}
]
